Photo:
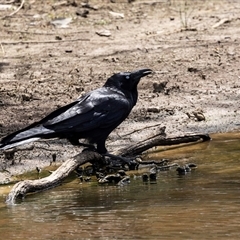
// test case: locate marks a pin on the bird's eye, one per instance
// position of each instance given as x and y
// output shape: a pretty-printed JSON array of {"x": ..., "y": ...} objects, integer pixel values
[{"x": 127, "y": 77}]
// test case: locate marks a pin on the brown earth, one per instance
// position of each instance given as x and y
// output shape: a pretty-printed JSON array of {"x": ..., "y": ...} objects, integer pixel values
[{"x": 192, "y": 46}]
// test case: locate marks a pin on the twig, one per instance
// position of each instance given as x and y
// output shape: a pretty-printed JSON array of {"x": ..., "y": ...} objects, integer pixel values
[
  {"x": 14, "y": 12},
  {"x": 43, "y": 33},
  {"x": 45, "y": 42},
  {"x": 140, "y": 129},
  {"x": 151, "y": 162},
  {"x": 2, "y": 49}
]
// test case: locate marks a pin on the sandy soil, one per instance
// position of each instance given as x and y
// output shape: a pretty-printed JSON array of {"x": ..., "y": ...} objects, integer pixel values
[{"x": 193, "y": 47}]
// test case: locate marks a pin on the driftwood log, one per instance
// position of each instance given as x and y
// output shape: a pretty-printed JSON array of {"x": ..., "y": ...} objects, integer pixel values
[{"x": 22, "y": 188}]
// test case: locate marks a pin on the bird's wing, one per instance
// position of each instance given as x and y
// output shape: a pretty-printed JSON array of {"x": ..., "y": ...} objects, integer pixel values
[{"x": 101, "y": 108}]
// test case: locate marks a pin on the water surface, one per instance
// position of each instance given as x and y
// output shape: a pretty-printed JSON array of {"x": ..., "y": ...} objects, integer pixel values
[{"x": 204, "y": 204}]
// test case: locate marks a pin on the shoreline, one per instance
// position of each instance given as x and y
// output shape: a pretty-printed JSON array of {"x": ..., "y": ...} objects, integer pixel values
[{"x": 196, "y": 69}]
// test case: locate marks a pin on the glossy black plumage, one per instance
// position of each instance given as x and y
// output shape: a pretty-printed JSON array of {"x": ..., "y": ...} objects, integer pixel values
[{"x": 93, "y": 116}]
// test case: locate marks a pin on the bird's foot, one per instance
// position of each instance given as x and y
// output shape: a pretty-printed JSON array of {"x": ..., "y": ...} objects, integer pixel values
[{"x": 116, "y": 160}]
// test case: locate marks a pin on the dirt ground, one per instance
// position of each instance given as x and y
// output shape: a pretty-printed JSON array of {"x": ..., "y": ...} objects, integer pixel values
[{"x": 193, "y": 46}]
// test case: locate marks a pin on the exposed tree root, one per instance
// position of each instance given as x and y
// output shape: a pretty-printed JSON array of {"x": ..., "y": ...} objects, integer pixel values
[
  {"x": 29, "y": 186},
  {"x": 21, "y": 188}
]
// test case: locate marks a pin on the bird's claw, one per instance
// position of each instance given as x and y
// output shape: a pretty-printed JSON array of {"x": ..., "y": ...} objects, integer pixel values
[{"x": 114, "y": 158}]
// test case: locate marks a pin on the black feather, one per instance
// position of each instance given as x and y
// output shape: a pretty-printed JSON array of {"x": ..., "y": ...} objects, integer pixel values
[{"x": 93, "y": 116}]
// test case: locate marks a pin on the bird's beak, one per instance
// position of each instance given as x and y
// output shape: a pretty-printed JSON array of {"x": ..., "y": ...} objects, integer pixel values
[{"x": 141, "y": 73}]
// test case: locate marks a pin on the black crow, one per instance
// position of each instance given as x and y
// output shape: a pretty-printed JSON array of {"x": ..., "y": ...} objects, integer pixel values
[{"x": 92, "y": 116}]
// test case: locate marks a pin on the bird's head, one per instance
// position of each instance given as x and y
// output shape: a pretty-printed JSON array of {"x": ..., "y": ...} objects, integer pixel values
[{"x": 127, "y": 81}]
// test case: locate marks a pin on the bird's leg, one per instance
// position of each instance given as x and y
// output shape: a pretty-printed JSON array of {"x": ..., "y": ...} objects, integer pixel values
[
  {"x": 114, "y": 159},
  {"x": 88, "y": 147},
  {"x": 75, "y": 142}
]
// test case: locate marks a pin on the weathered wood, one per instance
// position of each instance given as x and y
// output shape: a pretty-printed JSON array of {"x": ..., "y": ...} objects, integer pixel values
[
  {"x": 140, "y": 147},
  {"x": 20, "y": 189},
  {"x": 160, "y": 140}
]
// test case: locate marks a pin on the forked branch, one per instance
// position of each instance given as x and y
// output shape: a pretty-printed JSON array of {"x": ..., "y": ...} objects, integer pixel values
[{"x": 22, "y": 188}]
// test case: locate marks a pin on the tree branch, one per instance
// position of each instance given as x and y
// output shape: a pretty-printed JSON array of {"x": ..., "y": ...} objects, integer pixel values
[
  {"x": 20, "y": 189},
  {"x": 14, "y": 12},
  {"x": 160, "y": 140}
]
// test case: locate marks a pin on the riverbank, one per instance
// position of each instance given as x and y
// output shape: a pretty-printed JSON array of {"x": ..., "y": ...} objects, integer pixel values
[{"x": 194, "y": 52}]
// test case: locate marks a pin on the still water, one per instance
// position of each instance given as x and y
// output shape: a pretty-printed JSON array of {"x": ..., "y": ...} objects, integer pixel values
[{"x": 204, "y": 204}]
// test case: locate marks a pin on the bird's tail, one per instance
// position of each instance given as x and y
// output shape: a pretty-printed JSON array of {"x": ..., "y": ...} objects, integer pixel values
[{"x": 26, "y": 135}]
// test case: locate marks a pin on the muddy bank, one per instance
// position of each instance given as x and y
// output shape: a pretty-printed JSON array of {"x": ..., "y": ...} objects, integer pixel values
[{"x": 193, "y": 50}]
